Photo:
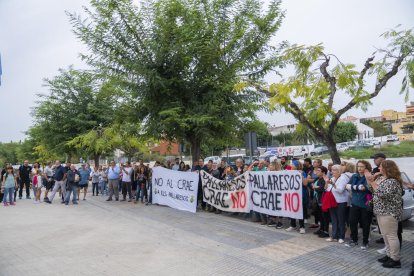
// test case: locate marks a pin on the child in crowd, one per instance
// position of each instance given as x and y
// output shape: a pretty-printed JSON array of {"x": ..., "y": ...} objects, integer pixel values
[{"x": 8, "y": 184}]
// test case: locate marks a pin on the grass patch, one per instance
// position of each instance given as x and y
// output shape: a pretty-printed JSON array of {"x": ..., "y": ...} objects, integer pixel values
[{"x": 404, "y": 149}]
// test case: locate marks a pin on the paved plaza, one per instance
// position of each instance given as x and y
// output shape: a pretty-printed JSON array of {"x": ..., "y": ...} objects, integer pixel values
[{"x": 118, "y": 238}]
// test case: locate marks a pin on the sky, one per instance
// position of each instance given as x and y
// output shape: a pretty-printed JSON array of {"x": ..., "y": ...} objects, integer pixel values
[{"x": 36, "y": 40}]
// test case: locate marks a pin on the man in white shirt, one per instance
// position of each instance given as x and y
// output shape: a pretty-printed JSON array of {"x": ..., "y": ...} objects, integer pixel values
[
  {"x": 176, "y": 166},
  {"x": 126, "y": 181}
]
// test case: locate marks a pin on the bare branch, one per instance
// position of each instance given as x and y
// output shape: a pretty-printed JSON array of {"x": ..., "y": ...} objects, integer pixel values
[
  {"x": 380, "y": 84},
  {"x": 331, "y": 80}
]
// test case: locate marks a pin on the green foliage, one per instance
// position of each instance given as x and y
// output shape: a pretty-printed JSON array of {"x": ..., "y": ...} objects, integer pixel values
[
  {"x": 79, "y": 102},
  {"x": 181, "y": 59},
  {"x": 319, "y": 78},
  {"x": 345, "y": 131},
  {"x": 379, "y": 128}
]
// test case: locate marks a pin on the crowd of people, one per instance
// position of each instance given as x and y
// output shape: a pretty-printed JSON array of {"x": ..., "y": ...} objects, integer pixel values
[{"x": 345, "y": 196}]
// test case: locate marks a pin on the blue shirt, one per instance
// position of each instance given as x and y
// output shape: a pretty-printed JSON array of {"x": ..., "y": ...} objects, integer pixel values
[
  {"x": 84, "y": 176},
  {"x": 59, "y": 173},
  {"x": 113, "y": 173}
]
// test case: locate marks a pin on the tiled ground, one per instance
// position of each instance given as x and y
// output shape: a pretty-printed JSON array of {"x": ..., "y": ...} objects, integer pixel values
[{"x": 101, "y": 238}]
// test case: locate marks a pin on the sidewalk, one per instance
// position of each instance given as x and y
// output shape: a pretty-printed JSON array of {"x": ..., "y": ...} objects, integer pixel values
[{"x": 106, "y": 238}]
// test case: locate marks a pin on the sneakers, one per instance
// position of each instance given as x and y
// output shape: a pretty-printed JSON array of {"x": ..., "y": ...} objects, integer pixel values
[
  {"x": 323, "y": 235},
  {"x": 341, "y": 241},
  {"x": 271, "y": 223},
  {"x": 364, "y": 246},
  {"x": 36, "y": 202},
  {"x": 123, "y": 199},
  {"x": 46, "y": 199},
  {"x": 318, "y": 232},
  {"x": 331, "y": 240},
  {"x": 75, "y": 203},
  {"x": 290, "y": 229},
  {"x": 302, "y": 230},
  {"x": 351, "y": 244},
  {"x": 392, "y": 264},
  {"x": 12, "y": 203},
  {"x": 6, "y": 204},
  {"x": 20, "y": 197},
  {"x": 383, "y": 259},
  {"x": 28, "y": 197},
  {"x": 382, "y": 251},
  {"x": 109, "y": 199},
  {"x": 279, "y": 225}
]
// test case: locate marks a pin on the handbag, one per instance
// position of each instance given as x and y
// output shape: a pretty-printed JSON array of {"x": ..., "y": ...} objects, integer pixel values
[{"x": 328, "y": 201}]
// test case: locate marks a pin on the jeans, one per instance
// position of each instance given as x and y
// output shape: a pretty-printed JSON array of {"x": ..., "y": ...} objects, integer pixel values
[
  {"x": 102, "y": 187},
  {"x": 24, "y": 182},
  {"x": 149, "y": 184},
  {"x": 126, "y": 188},
  {"x": 72, "y": 189},
  {"x": 8, "y": 192},
  {"x": 338, "y": 221},
  {"x": 34, "y": 192},
  {"x": 139, "y": 193},
  {"x": 362, "y": 216},
  {"x": 95, "y": 188},
  {"x": 305, "y": 214},
  {"x": 113, "y": 188}
]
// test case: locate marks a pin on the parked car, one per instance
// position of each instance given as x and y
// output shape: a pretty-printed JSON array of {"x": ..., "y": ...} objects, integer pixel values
[
  {"x": 342, "y": 147},
  {"x": 231, "y": 160},
  {"x": 319, "y": 150},
  {"x": 392, "y": 138},
  {"x": 373, "y": 141},
  {"x": 408, "y": 197},
  {"x": 215, "y": 159}
]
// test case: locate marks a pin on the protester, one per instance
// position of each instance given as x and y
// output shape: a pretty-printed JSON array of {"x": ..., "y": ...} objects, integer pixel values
[
  {"x": 73, "y": 177},
  {"x": 182, "y": 167},
  {"x": 142, "y": 180},
  {"x": 197, "y": 168},
  {"x": 126, "y": 181},
  {"x": 387, "y": 201},
  {"x": 359, "y": 213},
  {"x": 285, "y": 163},
  {"x": 25, "y": 174},
  {"x": 176, "y": 165},
  {"x": 8, "y": 184},
  {"x": 312, "y": 176},
  {"x": 84, "y": 174},
  {"x": 48, "y": 174},
  {"x": 319, "y": 186},
  {"x": 60, "y": 181},
  {"x": 95, "y": 180},
  {"x": 37, "y": 185},
  {"x": 103, "y": 180},
  {"x": 338, "y": 215},
  {"x": 296, "y": 165},
  {"x": 113, "y": 180}
]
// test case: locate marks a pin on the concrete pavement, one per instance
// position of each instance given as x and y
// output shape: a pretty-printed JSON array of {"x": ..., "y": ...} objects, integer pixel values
[{"x": 106, "y": 238}]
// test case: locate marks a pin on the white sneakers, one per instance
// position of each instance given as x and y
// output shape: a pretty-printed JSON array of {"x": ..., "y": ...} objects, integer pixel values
[
  {"x": 302, "y": 230},
  {"x": 341, "y": 241},
  {"x": 290, "y": 229},
  {"x": 331, "y": 240},
  {"x": 382, "y": 251}
]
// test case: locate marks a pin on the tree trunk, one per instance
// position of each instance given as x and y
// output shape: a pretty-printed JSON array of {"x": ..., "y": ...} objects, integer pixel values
[
  {"x": 195, "y": 150},
  {"x": 69, "y": 157},
  {"x": 333, "y": 152},
  {"x": 96, "y": 159}
]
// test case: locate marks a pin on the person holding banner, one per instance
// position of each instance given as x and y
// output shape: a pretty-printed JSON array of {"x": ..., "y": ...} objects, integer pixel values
[
  {"x": 319, "y": 186},
  {"x": 297, "y": 165},
  {"x": 197, "y": 168},
  {"x": 259, "y": 166}
]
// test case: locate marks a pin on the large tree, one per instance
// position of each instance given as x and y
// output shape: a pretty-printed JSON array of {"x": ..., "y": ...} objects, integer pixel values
[
  {"x": 79, "y": 102},
  {"x": 310, "y": 95},
  {"x": 181, "y": 59}
]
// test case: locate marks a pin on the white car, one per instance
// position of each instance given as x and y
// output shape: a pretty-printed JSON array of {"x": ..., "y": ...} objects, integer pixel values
[
  {"x": 215, "y": 159},
  {"x": 392, "y": 138},
  {"x": 408, "y": 200}
]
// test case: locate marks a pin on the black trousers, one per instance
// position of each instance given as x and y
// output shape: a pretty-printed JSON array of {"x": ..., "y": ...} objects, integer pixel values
[
  {"x": 126, "y": 188},
  {"x": 360, "y": 216},
  {"x": 95, "y": 188},
  {"x": 24, "y": 182}
]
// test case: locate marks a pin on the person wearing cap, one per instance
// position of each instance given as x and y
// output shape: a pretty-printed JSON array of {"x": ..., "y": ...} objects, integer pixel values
[{"x": 378, "y": 158}]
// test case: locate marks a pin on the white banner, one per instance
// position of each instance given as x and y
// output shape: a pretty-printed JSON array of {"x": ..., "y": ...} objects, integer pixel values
[
  {"x": 229, "y": 196},
  {"x": 175, "y": 189},
  {"x": 276, "y": 193}
]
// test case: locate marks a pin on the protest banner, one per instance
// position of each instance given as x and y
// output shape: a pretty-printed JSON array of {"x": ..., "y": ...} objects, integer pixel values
[
  {"x": 229, "y": 196},
  {"x": 276, "y": 193},
  {"x": 175, "y": 189}
]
